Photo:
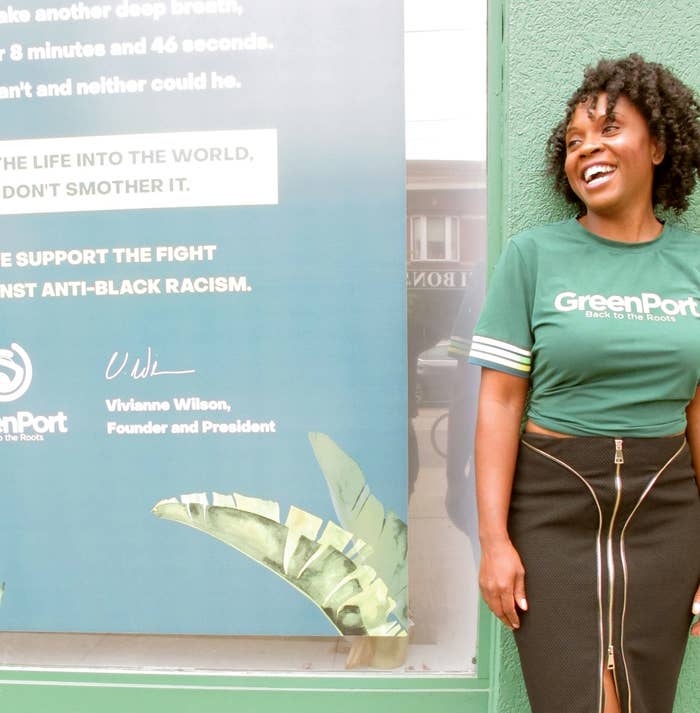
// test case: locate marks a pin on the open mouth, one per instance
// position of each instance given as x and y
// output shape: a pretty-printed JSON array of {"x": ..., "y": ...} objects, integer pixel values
[{"x": 598, "y": 174}]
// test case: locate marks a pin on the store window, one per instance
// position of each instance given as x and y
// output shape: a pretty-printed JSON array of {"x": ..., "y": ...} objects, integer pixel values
[{"x": 445, "y": 47}]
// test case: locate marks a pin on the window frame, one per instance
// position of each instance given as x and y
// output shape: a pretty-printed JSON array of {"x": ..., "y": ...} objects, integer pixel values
[{"x": 450, "y": 241}]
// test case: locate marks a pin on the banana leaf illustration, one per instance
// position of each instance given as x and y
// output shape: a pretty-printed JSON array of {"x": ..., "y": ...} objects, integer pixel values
[
  {"x": 329, "y": 569},
  {"x": 362, "y": 514}
]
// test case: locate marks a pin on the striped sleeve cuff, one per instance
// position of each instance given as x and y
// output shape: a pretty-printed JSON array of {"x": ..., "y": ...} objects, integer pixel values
[{"x": 499, "y": 355}]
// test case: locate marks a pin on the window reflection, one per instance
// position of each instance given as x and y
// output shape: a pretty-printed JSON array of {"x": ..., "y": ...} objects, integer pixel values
[{"x": 446, "y": 204}]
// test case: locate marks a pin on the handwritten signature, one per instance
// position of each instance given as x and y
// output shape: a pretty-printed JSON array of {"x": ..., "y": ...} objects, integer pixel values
[{"x": 119, "y": 364}]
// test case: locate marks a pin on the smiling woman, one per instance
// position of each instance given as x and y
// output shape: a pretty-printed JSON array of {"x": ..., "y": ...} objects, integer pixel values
[
  {"x": 668, "y": 108},
  {"x": 610, "y": 157},
  {"x": 590, "y": 519}
]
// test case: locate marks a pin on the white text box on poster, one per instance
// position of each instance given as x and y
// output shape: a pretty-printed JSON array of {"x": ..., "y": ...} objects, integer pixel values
[{"x": 139, "y": 171}]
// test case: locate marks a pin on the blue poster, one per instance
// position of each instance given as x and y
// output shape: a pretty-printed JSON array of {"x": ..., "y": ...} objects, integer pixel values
[{"x": 202, "y": 344}]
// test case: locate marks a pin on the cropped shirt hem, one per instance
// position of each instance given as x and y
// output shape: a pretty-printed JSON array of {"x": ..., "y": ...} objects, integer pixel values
[{"x": 570, "y": 429}]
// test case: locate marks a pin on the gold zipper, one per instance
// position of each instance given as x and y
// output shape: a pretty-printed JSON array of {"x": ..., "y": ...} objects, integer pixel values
[
  {"x": 623, "y": 557},
  {"x": 599, "y": 561},
  {"x": 618, "y": 460}
]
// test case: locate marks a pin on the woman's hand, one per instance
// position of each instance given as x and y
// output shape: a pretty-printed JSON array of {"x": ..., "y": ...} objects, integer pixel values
[
  {"x": 502, "y": 582},
  {"x": 695, "y": 629}
]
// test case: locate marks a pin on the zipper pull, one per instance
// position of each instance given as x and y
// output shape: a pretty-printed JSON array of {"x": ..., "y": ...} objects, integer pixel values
[
  {"x": 611, "y": 658},
  {"x": 619, "y": 458}
]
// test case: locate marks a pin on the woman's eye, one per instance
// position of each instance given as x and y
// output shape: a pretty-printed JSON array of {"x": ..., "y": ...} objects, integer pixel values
[
  {"x": 572, "y": 143},
  {"x": 610, "y": 128}
]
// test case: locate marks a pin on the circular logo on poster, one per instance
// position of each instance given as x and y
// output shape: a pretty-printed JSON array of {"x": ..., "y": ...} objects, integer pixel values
[{"x": 15, "y": 372}]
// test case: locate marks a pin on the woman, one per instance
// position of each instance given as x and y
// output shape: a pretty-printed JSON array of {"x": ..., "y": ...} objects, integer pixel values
[{"x": 590, "y": 520}]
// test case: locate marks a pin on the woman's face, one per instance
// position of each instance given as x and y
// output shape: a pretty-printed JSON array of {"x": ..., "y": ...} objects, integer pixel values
[{"x": 610, "y": 161}]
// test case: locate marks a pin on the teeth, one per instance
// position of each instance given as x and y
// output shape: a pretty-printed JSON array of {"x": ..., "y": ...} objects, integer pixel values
[{"x": 593, "y": 170}]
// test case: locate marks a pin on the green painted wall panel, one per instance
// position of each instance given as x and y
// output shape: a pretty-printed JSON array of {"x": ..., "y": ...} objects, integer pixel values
[
  {"x": 173, "y": 694},
  {"x": 66, "y": 701},
  {"x": 545, "y": 46}
]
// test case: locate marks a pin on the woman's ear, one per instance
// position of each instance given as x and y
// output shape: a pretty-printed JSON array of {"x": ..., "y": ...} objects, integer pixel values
[{"x": 658, "y": 152}]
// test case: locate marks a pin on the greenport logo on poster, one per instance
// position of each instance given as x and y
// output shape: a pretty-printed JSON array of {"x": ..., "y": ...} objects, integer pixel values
[{"x": 24, "y": 426}]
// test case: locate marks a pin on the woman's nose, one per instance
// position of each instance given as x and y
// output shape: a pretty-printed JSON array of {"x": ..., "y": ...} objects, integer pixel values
[{"x": 590, "y": 146}]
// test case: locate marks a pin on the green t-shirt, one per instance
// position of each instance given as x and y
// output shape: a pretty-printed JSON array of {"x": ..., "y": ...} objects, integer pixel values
[{"x": 608, "y": 332}]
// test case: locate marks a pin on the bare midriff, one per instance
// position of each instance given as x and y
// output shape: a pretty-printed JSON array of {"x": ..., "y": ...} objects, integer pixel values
[{"x": 532, "y": 427}]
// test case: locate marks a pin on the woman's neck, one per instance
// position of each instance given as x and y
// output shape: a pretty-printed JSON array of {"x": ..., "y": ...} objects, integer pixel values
[{"x": 633, "y": 227}]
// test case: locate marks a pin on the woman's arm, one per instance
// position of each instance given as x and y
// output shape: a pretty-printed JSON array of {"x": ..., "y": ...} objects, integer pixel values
[
  {"x": 693, "y": 436},
  {"x": 693, "y": 433},
  {"x": 502, "y": 575}
]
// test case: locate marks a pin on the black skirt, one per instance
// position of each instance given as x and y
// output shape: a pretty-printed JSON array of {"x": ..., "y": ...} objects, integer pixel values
[{"x": 609, "y": 534}]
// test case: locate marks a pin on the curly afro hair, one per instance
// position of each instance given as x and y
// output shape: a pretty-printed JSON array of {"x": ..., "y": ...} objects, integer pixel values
[{"x": 671, "y": 110}]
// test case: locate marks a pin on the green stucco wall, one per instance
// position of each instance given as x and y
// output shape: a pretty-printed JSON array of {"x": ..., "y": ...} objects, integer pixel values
[{"x": 544, "y": 46}]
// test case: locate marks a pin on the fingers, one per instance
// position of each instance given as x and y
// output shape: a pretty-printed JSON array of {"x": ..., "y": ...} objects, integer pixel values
[
  {"x": 695, "y": 629},
  {"x": 498, "y": 606},
  {"x": 519, "y": 592},
  {"x": 504, "y": 601},
  {"x": 502, "y": 583},
  {"x": 510, "y": 614},
  {"x": 510, "y": 601}
]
